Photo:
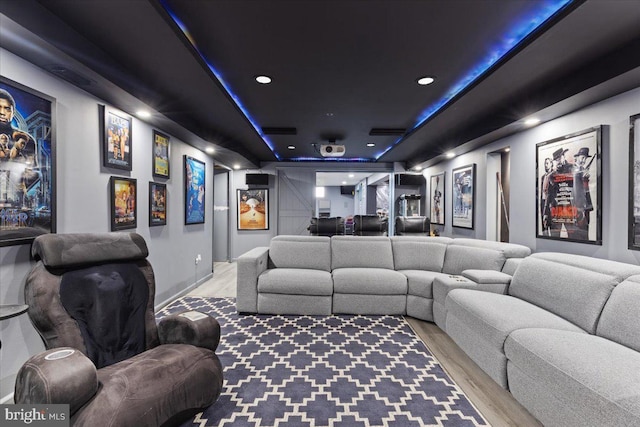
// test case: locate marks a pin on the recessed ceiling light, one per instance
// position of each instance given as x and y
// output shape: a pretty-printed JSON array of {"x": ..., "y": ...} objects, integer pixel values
[
  {"x": 143, "y": 114},
  {"x": 210, "y": 150},
  {"x": 450, "y": 155},
  {"x": 371, "y": 144},
  {"x": 418, "y": 168},
  {"x": 236, "y": 166},
  {"x": 532, "y": 121},
  {"x": 351, "y": 175},
  {"x": 291, "y": 147},
  {"x": 426, "y": 80},
  {"x": 344, "y": 182},
  {"x": 265, "y": 80}
]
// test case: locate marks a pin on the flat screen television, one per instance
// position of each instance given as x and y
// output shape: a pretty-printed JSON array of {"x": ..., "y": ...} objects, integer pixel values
[{"x": 257, "y": 179}]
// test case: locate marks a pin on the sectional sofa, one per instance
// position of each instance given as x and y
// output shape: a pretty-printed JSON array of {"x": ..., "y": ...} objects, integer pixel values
[
  {"x": 561, "y": 332},
  {"x": 366, "y": 274}
]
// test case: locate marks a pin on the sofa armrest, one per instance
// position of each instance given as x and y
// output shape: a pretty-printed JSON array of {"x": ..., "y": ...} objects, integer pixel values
[
  {"x": 190, "y": 327},
  {"x": 482, "y": 277},
  {"x": 60, "y": 375},
  {"x": 250, "y": 266}
]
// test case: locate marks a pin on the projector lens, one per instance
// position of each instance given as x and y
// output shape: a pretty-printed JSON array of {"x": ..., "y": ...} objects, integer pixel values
[{"x": 329, "y": 149}]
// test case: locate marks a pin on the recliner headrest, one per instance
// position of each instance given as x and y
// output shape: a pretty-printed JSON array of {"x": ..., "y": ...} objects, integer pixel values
[{"x": 78, "y": 249}]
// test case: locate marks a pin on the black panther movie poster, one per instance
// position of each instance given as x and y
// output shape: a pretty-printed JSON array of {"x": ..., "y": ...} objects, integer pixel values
[{"x": 27, "y": 176}]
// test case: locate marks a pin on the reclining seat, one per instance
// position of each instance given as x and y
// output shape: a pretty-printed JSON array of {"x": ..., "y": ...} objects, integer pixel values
[
  {"x": 91, "y": 299},
  {"x": 291, "y": 276}
]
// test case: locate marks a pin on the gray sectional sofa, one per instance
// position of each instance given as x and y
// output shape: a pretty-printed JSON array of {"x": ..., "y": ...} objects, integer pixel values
[
  {"x": 564, "y": 340},
  {"x": 365, "y": 274},
  {"x": 561, "y": 332}
]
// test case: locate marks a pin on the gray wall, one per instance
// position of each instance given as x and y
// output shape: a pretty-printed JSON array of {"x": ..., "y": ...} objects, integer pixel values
[
  {"x": 614, "y": 114},
  {"x": 83, "y": 206},
  {"x": 341, "y": 204}
]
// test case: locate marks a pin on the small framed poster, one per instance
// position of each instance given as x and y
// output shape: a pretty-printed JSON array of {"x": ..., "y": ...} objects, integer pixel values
[
  {"x": 253, "y": 209},
  {"x": 124, "y": 206},
  {"x": 160, "y": 155},
  {"x": 117, "y": 140},
  {"x": 634, "y": 182},
  {"x": 194, "y": 190},
  {"x": 464, "y": 179},
  {"x": 157, "y": 204},
  {"x": 436, "y": 198}
]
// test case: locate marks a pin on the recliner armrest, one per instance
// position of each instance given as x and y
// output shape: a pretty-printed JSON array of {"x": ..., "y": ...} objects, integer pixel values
[
  {"x": 60, "y": 375},
  {"x": 487, "y": 276},
  {"x": 190, "y": 327},
  {"x": 250, "y": 265}
]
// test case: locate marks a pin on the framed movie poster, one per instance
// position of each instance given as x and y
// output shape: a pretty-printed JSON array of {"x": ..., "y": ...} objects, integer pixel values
[
  {"x": 436, "y": 198},
  {"x": 464, "y": 181},
  {"x": 194, "y": 190},
  {"x": 157, "y": 204},
  {"x": 569, "y": 188},
  {"x": 160, "y": 155},
  {"x": 634, "y": 182},
  {"x": 253, "y": 209},
  {"x": 117, "y": 139},
  {"x": 27, "y": 164},
  {"x": 124, "y": 208}
]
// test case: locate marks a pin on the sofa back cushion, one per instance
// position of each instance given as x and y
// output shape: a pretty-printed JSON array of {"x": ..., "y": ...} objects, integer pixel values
[
  {"x": 361, "y": 251},
  {"x": 418, "y": 253},
  {"x": 620, "y": 319},
  {"x": 312, "y": 252},
  {"x": 510, "y": 250},
  {"x": 459, "y": 258},
  {"x": 572, "y": 286}
]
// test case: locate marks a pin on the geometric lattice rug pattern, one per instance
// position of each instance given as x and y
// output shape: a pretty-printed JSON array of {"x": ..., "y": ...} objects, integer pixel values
[{"x": 338, "y": 371}]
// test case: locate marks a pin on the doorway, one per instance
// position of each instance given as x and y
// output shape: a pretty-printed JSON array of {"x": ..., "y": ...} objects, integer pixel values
[{"x": 221, "y": 219}]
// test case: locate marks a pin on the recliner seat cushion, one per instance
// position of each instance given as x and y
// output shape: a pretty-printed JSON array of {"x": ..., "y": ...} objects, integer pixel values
[
  {"x": 420, "y": 283},
  {"x": 295, "y": 281},
  {"x": 184, "y": 377},
  {"x": 620, "y": 319},
  {"x": 369, "y": 281},
  {"x": 573, "y": 379}
]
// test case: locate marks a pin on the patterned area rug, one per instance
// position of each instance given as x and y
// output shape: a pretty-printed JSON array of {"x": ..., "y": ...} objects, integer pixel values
[{"x": 338, "y": 371}]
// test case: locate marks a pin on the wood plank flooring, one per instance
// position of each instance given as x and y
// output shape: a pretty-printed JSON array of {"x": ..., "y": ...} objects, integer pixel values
[{"x": 496, "y": 404}]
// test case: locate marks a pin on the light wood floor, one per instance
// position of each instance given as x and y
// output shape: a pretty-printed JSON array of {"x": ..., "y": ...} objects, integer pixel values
[{"x": 495, "y": 403}]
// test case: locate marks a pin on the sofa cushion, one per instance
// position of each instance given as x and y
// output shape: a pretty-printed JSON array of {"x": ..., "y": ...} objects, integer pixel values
[
  {"x": 295, "y": 281},
  {"x": 459, "y": 258},
  {"x": 567, "y": 285},
  {"x": 312, "y": 252},
  {"x": 418, "y": 253},
  {"x": 361, "y": 251},
  {"x": 620, "y": 319},
  {"x": 369, "y": 281},
  {"x": 585, "y": 379},
  {"x": 495, "y": 316},
  {"x": 420, "y": 282}
]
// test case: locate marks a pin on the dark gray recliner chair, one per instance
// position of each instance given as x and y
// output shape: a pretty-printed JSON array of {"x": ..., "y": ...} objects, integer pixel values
[
  {"x": 91, "y": 298},
  {"x": 326, "y": 226},
  {"x": 412, "y": 226},
  {"x": 370, "y": 225}
]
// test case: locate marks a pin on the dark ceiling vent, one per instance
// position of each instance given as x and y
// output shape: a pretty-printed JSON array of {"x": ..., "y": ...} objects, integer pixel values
[
  {"x": 386, "y": 131},
  {"x": 279, "y": 131},
  {"x": 69, "y": 75}
]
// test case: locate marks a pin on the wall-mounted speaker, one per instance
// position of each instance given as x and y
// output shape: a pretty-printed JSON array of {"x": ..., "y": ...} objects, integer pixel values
[{"x": 257, "y": 179}]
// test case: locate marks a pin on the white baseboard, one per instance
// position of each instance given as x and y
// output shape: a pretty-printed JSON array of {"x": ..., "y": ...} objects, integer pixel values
[{"x": 183, "y": 292}]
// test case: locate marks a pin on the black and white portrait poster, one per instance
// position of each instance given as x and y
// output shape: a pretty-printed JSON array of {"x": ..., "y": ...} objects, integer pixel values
[
  {"x": 464, "y": 196},
  {"x": 568, "y": 196},
  {"x": 436, "y": 198},
  {"x": 634, "y": 182}
]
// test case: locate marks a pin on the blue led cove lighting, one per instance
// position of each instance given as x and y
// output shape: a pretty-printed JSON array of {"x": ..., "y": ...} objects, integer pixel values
[
  {"x": 513, "y": 37},
  {"x": 511, "y": 40},
  {"x": 220, "y": 79}
]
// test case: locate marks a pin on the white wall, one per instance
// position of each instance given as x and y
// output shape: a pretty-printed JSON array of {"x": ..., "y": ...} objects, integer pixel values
[
  {"x": 614, "y": 114},
  {"x": 83, "y": 206},
  {"x": 341, "y": 204}
]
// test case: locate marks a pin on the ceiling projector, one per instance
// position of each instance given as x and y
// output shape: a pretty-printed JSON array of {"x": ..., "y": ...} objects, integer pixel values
[{"x": 332, "y": 150}]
